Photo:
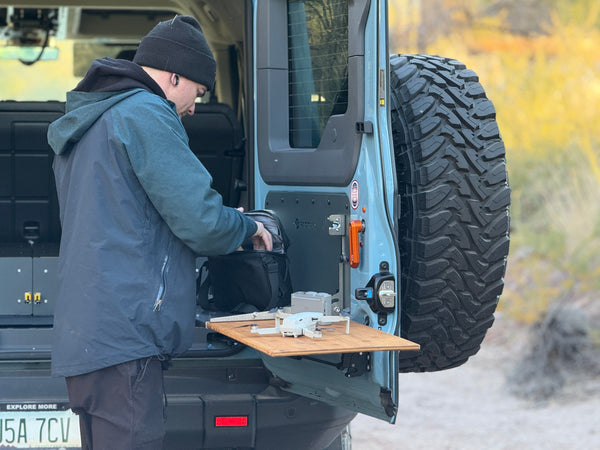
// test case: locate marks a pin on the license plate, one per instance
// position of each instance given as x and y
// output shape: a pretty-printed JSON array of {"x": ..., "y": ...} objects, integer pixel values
[{"x": 38, "y": 425}]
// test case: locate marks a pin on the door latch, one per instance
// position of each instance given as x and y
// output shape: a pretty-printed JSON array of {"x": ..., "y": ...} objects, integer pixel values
[{"x": 380, "y": 292}]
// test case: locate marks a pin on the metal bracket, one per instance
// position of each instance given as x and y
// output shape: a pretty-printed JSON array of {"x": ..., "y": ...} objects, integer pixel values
[
  {"x": 338, "y": 224},
  {"x": 385, "y": 396},
  {"x": 364, "y": 127},
  {"x": 338, "y": 228},
  {"x": 355, "y": 364}
]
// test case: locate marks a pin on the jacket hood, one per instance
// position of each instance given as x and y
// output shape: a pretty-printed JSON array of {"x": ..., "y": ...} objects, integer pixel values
[
  {"x": 107, "y": 82},
  {"x": 114, "y": 75}
]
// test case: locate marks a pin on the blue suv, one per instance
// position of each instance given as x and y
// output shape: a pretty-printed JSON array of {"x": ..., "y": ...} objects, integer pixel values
[{"x": 388, "y": 173}]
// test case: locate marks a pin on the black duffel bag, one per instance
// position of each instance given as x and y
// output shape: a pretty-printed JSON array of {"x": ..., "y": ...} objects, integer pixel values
[{"x": 249, "y": 280}]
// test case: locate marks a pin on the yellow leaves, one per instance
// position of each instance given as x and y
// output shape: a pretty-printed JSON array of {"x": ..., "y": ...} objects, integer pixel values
[
  {"x": 531, "y": 286},
  {"x": 592, "y": 157},
  {"x": 490, "y": 42},
  {"x": 592, "y": 15},
  {"x": 545, "y": 86},
  {"x": 546, "y": 89}
]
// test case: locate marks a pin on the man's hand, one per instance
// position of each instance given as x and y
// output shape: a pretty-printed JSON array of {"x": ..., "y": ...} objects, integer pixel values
[{"x": 262, "y": 239}]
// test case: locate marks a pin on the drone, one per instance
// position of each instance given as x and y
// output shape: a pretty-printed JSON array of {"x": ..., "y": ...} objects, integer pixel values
[{"x": 287, "y": 324}]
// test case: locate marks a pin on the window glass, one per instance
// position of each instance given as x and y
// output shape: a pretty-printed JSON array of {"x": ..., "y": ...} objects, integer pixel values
[
  {"x": 51, "y": 78},
  {"x": 41, "y": 81},
  {"x": 318, "y": 67}
]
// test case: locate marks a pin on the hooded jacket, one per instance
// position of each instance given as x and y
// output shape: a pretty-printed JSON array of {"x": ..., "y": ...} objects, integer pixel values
[{"x": 136, "y": 208}]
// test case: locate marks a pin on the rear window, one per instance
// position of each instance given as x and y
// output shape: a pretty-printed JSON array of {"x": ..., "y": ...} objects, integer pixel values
[
  {"x": 318, "y": 67},
  {"x": 41, "y": 81}
]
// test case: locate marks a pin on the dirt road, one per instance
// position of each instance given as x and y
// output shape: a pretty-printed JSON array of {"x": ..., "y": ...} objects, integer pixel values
[{"x": 470, "y": 407}]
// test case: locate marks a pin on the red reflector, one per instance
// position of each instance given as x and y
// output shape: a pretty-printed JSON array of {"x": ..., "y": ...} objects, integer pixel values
[{"x": 231, "y": 421}]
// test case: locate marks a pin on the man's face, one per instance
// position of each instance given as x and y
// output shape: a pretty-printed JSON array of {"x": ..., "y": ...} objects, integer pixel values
[{"x": 184, "y": 95}]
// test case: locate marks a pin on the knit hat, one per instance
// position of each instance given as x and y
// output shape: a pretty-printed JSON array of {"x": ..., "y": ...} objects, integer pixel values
[{"x": 178, "y": 46}]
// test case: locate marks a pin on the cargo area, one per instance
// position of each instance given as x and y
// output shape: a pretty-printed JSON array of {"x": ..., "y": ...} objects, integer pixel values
[{"x": 29, "y": 212}]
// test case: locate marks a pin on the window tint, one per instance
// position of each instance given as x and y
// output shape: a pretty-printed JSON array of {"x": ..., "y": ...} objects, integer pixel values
[{"x": 318, "y": 67}]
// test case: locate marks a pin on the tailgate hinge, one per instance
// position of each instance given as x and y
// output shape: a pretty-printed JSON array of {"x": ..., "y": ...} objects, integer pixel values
[{"x": 355, "y": 364}]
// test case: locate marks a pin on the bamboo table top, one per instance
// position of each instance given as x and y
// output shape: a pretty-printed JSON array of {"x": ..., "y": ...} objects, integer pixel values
[{"x": 334, "y": 339}]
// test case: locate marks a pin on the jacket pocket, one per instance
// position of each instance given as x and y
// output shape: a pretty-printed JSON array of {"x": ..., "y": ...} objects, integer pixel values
[{"x": 162, "y": 288}]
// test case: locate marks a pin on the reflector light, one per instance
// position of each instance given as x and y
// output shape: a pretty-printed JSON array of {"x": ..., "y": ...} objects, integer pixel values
[{"x": 231, "y": 421}]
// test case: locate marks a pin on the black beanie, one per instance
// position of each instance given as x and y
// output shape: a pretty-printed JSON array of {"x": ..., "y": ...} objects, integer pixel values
[{"x": 179, "y": 46}]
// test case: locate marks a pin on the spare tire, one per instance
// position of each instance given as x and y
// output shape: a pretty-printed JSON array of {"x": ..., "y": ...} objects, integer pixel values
[{"x": 454, "y": 209}]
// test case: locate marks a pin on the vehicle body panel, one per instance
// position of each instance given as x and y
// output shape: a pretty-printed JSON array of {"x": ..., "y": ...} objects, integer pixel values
[
  {"x": 302, "y": 184},
  {"x": 348, "y": 172}
]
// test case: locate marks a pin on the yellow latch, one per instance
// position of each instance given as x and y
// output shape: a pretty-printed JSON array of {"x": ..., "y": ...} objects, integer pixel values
[
  {"x": 37, "y": 297},
  {"x": 27, "y": 297}
]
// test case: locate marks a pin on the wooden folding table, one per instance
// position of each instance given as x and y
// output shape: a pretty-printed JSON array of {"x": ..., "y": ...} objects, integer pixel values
[{"x": 334, "y": 339}]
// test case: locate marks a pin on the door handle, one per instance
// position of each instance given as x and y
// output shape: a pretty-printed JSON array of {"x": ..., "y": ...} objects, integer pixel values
[{"x": 355, "y": 227}]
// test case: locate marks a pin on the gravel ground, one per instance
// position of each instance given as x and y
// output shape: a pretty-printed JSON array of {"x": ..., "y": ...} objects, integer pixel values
[{"x": 470, "y": 407}]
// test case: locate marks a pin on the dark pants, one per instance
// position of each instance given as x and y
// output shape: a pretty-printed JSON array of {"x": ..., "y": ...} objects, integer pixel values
[{"x": 120, "y": 407}]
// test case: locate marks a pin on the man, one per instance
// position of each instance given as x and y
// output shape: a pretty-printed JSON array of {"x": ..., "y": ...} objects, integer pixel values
[{"x": 136, "y": 207}]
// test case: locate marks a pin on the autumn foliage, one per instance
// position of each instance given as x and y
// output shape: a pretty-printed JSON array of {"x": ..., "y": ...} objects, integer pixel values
[{"x": 545, "y": 84}]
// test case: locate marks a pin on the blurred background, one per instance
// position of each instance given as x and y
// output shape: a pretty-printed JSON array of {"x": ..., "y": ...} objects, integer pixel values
[
  {"x": 535, "y": 383},
  {"x": 539, "y": 62}
]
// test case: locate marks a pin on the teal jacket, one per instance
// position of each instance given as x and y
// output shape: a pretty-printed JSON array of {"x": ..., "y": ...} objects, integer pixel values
[{"x": 136, "y": 209}]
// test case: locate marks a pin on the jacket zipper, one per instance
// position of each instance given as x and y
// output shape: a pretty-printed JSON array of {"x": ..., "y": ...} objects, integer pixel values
[{"x": 163, "y": 285}]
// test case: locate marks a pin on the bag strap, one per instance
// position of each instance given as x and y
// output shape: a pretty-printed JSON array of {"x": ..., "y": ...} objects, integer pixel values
[
  {"x": 202, "y": 287},
  {"x": 279, "y": 282},
  {"x": 274, "y": 280}
]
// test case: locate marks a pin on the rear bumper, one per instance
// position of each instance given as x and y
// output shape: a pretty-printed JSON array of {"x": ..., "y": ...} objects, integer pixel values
[
  {"x": 262, "y": 415},
  {"x": 199, "y": 391},
  {"x": 273, "y": 422}
]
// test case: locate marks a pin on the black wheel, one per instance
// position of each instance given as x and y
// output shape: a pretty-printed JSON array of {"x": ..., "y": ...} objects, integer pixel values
[{"x": 454, "y": 218}]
